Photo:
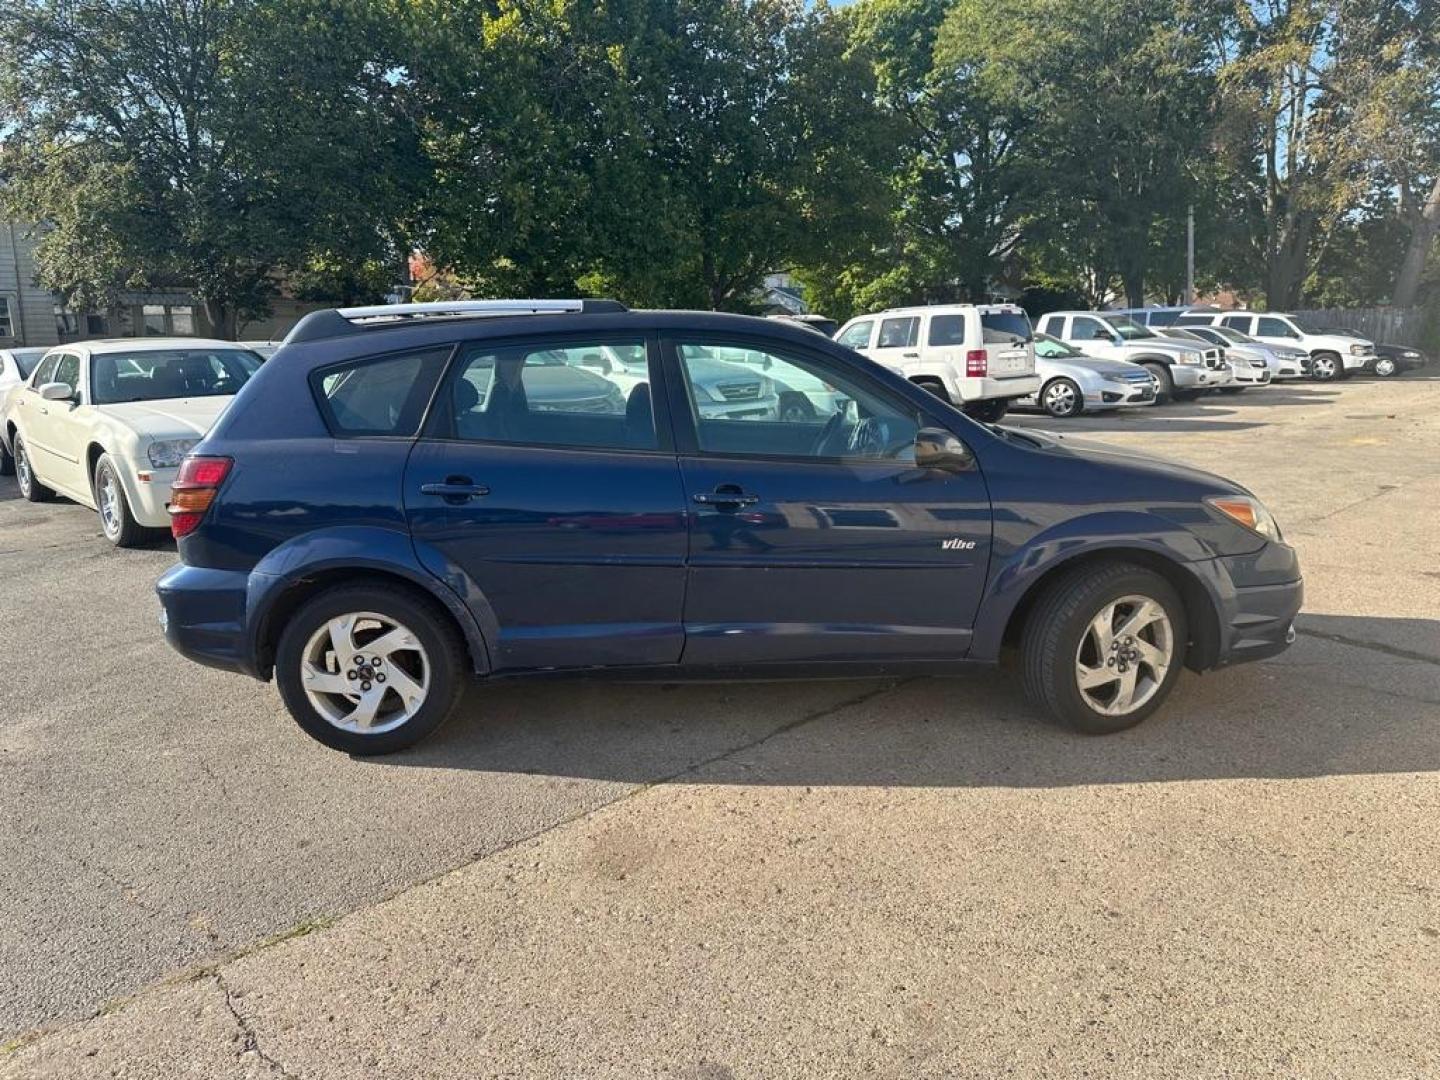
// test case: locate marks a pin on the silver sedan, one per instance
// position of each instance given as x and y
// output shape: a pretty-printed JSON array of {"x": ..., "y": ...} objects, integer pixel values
[{"x": 1072, "y": 383}]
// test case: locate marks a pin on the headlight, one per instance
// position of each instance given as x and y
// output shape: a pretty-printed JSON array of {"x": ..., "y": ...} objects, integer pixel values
[
  {"x": 167, "y": 453},
  {"x": 1248, "y": 512},
  {"x": 1188, "y": 358},
  {"x": 1359, "y": 350},
  {"x": 1410, "y": 354}
]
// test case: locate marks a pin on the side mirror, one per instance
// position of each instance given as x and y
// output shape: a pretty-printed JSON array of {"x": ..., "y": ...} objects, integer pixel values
[
  {"x": 56, "y": 391},
  {"x": 936, "y": 448}
]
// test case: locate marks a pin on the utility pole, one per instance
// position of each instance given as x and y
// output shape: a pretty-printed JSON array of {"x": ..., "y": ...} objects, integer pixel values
[{"x": 1190, "y": 254}]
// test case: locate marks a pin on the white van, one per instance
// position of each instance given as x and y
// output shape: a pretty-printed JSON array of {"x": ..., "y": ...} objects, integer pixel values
[{"x": 980, "y": 357}]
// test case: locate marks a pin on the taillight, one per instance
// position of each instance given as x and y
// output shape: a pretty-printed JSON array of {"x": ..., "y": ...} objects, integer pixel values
[
  {"x": 975, "y": 362},
  {"x": 194, "y": 490}
]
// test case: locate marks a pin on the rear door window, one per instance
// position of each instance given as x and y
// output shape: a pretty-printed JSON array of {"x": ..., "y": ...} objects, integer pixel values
[
  {"x": 580, "y": 395},
  {"x": 379, "y": 396},
  {"x": 1237, "y": 322}
]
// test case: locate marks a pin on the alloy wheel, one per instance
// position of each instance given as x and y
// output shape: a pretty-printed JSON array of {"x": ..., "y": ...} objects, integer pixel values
[
  {"x": 365, "y": 673},
  {"x": 111, "y": 508},
  {"x": 1323, "y": 368},
  {"x": 1124, "y": 655},
  {"x": 1385, "y": 366},
  {"x": 22, "y": 469},
  {"x": 1060, "y": 399}
]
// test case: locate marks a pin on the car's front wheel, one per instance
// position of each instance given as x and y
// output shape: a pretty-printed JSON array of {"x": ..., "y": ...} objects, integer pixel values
[
  {"x": 1103, "y": 647},
  {"x": 1385, "y": 366},
  {"x": 117, "y": 521},
  {"x": 30, "y": 486},
  {"x": 1325, "y": 367},
  {"x": 1164, "y": 384},
  {"x": 370, "y": 669},
  {"x": 1061, "y": 399}
]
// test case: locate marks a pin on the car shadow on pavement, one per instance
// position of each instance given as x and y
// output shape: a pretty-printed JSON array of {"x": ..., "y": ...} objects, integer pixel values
[{"x": 1349, "y": 697}]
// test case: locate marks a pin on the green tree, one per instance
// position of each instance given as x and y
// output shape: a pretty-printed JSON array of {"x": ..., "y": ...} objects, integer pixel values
[{"x": 215, "y": 144}]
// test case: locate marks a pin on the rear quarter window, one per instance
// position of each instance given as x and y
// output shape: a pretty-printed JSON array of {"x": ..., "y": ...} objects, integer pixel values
[{"x": 384, "y": 395}]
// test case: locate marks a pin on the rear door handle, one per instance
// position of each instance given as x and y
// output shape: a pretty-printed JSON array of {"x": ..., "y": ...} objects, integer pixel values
[{"x": 456, "y": 489}]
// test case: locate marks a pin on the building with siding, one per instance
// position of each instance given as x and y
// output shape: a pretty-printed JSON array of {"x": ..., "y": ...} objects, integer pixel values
[{"x": 30, "y": 315}]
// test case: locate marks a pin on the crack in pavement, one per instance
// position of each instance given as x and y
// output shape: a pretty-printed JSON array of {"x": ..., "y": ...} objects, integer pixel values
[
  {"x": 1374, "y": 646},
  {"x": 251, "y": 1042}
]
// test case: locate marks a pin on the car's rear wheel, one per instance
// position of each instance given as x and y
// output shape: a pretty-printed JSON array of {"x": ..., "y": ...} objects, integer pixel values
[
  {"x": 1103, "y": 647},
  {"x": 989, "y": 411},
  {"x": 116, "y": 519},
  {"x": 935, "y": 386},
  {"x": 370, "y": 669},
  {"x": 1061, "y": 398},
  {"x": 30, "y": 486}
]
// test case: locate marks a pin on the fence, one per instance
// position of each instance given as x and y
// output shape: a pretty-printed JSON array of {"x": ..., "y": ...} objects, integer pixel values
[{"x": 1392, "y": 326}]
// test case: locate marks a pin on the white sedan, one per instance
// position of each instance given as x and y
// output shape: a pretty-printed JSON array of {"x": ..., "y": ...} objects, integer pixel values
[{"x": 106, "y": 423}]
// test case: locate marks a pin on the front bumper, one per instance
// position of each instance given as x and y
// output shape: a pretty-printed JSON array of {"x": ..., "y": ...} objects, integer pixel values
[
  {"x": 1197, "y": 376},
  {"x": 1260, "y": 595},
  {"x": 203, "y": 614},
  {"x": 1251, "y": 376},
  {"x": 149, "y": 492}
]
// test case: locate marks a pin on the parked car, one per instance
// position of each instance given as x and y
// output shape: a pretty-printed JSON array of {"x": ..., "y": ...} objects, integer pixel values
[
  {"x": 106, "y": 423},
  {"x": 15, "y": 367},
  {"x": 1072, "y": 383},
  {"x": 819, "y": 323},
  {"x": 263, "y": 349},
  {"x": 362, "y": 528},
  {"x": 1248, "y": 367},
  {"x": 1332, "y": 356},
  {"x": 1283, "y": 361},
  {"x": 1183, "y": 369},
  {"x": 977, "y": 356},
  {"x": 1156, "y": 318},
  {"x": 1389, "y": 359}
]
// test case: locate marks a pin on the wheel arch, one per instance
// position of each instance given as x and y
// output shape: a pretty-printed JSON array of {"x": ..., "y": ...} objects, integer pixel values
[
  {"x": 278, "y": 587},
  {"x": 1201, "y": 610}
]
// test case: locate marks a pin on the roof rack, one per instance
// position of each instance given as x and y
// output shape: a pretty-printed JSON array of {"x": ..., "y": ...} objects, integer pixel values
[{"x": 339, "y": 322}]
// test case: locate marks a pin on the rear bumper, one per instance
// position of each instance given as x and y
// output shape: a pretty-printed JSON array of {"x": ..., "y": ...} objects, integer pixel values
[
  {"x": 203, "y": 613},
  {"x": 988, "y": 387}
]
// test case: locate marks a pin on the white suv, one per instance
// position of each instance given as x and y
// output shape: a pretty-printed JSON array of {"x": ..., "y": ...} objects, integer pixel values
[
  {"x": 1332, "y": 356},
  {"x": 980, "y": 357}
]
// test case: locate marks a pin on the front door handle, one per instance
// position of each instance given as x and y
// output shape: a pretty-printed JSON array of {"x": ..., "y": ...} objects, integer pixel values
[
  {"x": 456, "y": 489},
  {"x": 725, "y": 498}
]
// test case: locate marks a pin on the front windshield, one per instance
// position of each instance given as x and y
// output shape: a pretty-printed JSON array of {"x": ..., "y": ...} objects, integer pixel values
[
  {"x": 1228, "y": 334},
  {"x": 1129, "y": 329},
  {"x": 160, "y": 374},
  {"x": 1186, "y": 335},
  {"x": 27, "y": 360}
]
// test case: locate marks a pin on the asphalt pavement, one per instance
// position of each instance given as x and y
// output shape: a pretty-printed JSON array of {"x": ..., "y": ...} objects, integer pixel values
[{"x": 916, "y": 878}]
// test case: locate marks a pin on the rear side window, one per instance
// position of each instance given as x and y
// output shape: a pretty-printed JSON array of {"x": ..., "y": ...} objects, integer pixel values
[
  {"x": 1193, "y": 320},
  {"x": 1162, "y": 318},
  {"x": 947, "y": 330},
  {"x": 1236, "y": 322},
  {"x": 385, "y": 396},
  {"x": 898, "y": 333},
  {"x": 1005, "y": 327},
  {"x": 858, "y": 336}
]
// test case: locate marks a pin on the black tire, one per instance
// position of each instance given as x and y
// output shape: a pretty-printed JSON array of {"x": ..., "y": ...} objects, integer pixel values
[
  {"x": 443, "y": 647},
  {"x": 1384, "y": 367},
  {"x": 31, "y": 488},
  {"x": 1166, "y": 390},
  {"x": 1057, "y": 627},
  {"x": 7, "y": 461},
  {"x": 1326, "y": 367},
  {"x": 1231, "y": 389},
  {"x": 989, "y": 411},
  {"x": 935, "y": 386},
  {"x": 121, "y": 529},
  {"x": 1062, "y": 399}
]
